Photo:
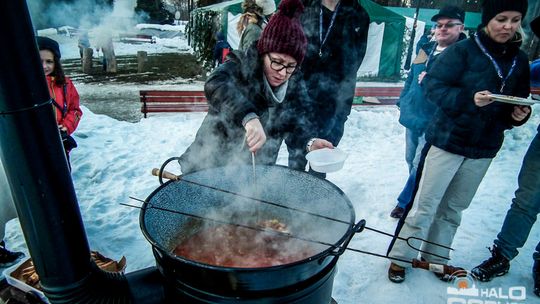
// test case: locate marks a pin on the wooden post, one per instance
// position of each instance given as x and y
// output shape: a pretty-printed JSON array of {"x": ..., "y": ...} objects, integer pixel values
[
  {"x": 111, "y": 60},
  {"x": 87, "y": 60},
  {"x": 108, "y": 54},
  {"x": 142, "y": 60}
]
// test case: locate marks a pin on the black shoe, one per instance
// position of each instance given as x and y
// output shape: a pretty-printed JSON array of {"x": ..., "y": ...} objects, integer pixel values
[
  {"x": 536, "y": 277},
  {"x": 396, "y": 273},
  {"x": 8, "y": 258},
  {"x": 495, "y": 266},
  {"x": 397, "y": 212}
]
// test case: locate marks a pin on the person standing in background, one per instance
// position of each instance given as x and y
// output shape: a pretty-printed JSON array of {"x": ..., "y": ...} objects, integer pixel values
[
  {"x": 65, "y": 97},
  {"x": 253, "y": 20},
  {"x": 415, "y": 111},
  {"x": 337, "y": 34},
  {"x": 520, "y": 218},
  {"x": 83, "y": 42},
  {"x": 466, "y": 131},
  {"x": 221, "y": 49}
]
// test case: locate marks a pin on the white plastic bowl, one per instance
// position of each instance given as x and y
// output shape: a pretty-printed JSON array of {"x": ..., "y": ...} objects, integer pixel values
[{"x": 326, "y": 160}]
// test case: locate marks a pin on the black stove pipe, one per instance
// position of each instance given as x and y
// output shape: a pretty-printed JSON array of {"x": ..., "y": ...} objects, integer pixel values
[{"x": 32, "y": 153}]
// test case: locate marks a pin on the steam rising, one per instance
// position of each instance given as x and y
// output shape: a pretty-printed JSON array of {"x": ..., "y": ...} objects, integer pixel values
[
  {"x": 292, "y": 189},
  {"x": 95, "y": 17}
]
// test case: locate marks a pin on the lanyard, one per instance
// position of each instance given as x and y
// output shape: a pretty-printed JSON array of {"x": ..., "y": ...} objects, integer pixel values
[
  {"x": 497, "y": 67},
  {"x": 321, "y": 40}
]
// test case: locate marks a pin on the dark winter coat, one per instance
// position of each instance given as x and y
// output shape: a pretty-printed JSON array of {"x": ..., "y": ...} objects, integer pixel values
[
  {"x": 235, "y": 89},
  {"x": 331, "y": 78},
  {"x": 218, "y": 50},
  {"x": 459, "y": 126},
  {"x": 415, "y": 111}
]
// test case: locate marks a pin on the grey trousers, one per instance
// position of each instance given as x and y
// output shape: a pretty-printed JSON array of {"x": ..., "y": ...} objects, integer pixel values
[
  {"x": 447, "y": 187},
  {"x": 7, "y": 207}
]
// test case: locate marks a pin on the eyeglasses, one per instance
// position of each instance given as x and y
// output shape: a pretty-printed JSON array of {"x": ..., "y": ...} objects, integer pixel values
[
  {"x": 448, "y": 25},
  {"x": 278, "y": 67}
]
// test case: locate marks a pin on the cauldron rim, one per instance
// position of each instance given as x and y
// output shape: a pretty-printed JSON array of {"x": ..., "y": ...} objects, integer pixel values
[{"x": 319, "y": 256}]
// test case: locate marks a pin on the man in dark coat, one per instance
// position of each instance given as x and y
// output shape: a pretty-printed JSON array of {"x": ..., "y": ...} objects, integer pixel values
[
  {"x": 466, "y": 131},
  {"x": 337, "y": 34},
  {"x": 256, "y": 101},
  {"x": 415, "y": 111}
]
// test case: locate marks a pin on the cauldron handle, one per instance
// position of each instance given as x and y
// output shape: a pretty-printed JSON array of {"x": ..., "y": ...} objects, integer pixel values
[
  {"x": 359, "y": 227},
  {"x": 162, "y": 173}
]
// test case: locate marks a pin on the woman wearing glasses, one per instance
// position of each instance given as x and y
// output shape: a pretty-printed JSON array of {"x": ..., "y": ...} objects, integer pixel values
[
  {"x": 256, "y": 100},
  {"x": 467, "y": 129}
]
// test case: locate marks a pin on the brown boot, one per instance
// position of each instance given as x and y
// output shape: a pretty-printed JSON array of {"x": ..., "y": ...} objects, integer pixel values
[{"x": 396, "y": 273}]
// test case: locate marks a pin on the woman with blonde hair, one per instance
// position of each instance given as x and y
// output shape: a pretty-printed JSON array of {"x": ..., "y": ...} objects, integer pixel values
[
  {"x": 253, "y": 21},
  {"x": 467, "y": 130}
]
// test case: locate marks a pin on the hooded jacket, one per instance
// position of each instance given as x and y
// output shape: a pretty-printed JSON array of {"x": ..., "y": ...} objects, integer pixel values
[
  {"x": 459, "y": 126},
  {"x": 234, "y": 90}
]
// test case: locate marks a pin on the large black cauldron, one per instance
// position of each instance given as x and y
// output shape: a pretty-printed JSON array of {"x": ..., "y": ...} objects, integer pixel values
[{"x": 226, "y": 193}]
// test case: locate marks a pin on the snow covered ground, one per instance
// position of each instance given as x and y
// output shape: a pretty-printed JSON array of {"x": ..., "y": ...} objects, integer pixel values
[{"x": 114, "y": 159}]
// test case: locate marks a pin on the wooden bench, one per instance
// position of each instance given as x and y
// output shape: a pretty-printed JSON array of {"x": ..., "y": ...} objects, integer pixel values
[
  {"x": 172, "y": 101},
  {"x": 154, "y": 101},
  {"x": 377, "y": 95}
]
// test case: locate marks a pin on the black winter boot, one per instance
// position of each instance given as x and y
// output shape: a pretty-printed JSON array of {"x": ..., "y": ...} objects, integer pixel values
[
  {"x": 495, "y": 266},
  {"x": 536, "y": 277},
  {"x": 8, "y": 258}
]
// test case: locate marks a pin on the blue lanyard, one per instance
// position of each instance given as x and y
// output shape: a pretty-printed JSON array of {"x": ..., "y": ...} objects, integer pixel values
[
  {"x": 321, "y": 40},
  {"x": 497, "y": 67}
]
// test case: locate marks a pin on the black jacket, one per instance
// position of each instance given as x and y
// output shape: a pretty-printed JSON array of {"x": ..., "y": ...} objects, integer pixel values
[
  {"x": 331, "y": 78},
  {"x": 459, "y": 126},
  {"x": 235, "y": 89}
]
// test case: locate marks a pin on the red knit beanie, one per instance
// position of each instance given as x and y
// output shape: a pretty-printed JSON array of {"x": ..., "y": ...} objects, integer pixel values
[{"x": 284, "y": 33}]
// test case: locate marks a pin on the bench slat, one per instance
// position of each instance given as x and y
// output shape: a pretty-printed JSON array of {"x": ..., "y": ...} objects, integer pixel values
[
  {"x": 170, "y": 93},
  {"x": 375, "y": 92},
  {"x": 179, "y": 99}
]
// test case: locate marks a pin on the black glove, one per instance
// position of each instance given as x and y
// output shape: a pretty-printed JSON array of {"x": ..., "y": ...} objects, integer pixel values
[{"x": 68, "y": 141}]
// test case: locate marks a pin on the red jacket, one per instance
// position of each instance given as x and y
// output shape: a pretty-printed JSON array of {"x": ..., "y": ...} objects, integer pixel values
[{"x": 68, "y": 118}]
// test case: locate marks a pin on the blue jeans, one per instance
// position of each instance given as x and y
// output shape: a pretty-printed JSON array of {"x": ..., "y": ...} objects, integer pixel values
[
  {"x": 406, "y": 194},
  {"x": 417, "y": 141},
  {"x": 525, "y": 206},
  {"x": 411, "y": 145}
]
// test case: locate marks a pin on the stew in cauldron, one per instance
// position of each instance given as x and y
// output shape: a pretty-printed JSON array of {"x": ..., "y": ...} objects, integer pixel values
[{"x": 235, "y": 246}]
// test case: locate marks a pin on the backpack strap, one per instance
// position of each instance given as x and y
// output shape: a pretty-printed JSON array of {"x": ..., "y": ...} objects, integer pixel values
[{"x": 64, "y": 109}]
